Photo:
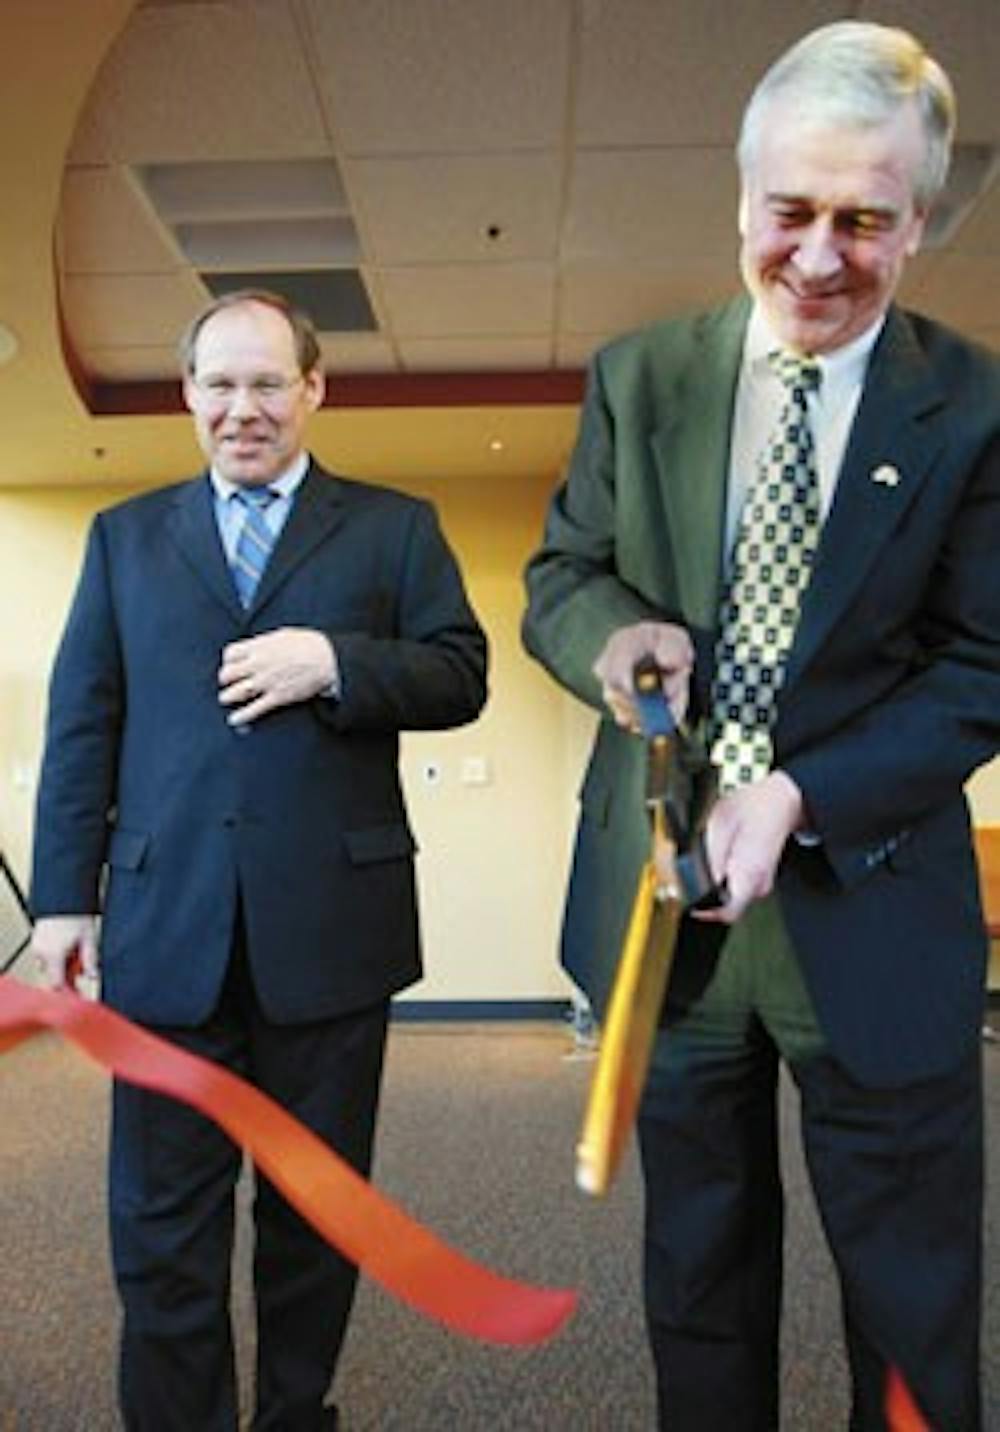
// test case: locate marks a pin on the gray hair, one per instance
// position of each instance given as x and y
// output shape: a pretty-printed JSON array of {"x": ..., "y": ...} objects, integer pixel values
[
  {"x": 307, "y": 349},
  {"x": 858, "y": 74}
]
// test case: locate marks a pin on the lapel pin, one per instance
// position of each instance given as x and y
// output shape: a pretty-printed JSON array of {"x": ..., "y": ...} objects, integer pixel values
[{"x": 886, "y": 475}]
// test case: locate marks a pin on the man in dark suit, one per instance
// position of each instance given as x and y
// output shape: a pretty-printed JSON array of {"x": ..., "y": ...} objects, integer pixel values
[
  {"x": 222, "y": 751},
  {"x": 851, "y": 944}
]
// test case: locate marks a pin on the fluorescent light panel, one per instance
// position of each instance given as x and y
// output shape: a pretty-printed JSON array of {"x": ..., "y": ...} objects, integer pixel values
[
  {"x": 253, "y": 189},
  {"x": 335, "y": 299},
  {"x": 278, "y": 242}
]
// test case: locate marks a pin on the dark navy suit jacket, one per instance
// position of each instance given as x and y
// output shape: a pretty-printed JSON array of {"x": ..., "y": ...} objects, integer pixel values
[
  {"x": 151, "y": 806},
  {"x": 892, "y": 692}
]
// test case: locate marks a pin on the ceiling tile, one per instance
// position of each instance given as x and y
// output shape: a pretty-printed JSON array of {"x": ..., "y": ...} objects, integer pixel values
[
  {"x": 455, "y": 355},
  {"x": 131, "y": 364},
  {"x": 965, "y": 38},
  {"x": 652, "y": 203},
  {"x": 223, "y": 81},
  {"x": 106, "y": 226},
  {"x": 598, "y": 298},
  {"x": 441, "y": 209},
  {"x": 575, "y": 350},
  {"x": 656, "y": 73},
  {"x": 115, "y": 311},
  {"x": 357, "y": 353},
  {"x": 446, "y": 76},
  {"x": 462, "y": 301}
]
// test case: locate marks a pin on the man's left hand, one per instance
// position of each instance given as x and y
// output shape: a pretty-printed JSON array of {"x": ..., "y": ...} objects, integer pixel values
[
  {"x": 746, "y": 834},
  {"x": 279, "y": 668}
]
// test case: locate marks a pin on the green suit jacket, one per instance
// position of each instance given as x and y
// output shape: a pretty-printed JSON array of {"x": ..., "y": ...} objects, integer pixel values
[{"x": 892, "y": 691}]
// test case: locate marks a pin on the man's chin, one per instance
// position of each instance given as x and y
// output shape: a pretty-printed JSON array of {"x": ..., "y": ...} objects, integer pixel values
[
  {"x": 810, "y": 328},
  {"x": 247, "y": 472}
]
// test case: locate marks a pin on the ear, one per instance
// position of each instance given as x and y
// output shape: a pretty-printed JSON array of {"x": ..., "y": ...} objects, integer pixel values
[
  {"x": 914, "y": 238},
  {"x": 187, "y": 389},
  {"x": 315, "y": 389}
]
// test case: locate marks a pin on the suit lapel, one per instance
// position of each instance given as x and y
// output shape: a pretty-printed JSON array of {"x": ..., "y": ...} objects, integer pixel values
[
  {"x": 891, "y": 450},
  {"x": 317, "y": 511},
  {"x": 194, "y": 530},
  {"x": 691, "y": 452}
]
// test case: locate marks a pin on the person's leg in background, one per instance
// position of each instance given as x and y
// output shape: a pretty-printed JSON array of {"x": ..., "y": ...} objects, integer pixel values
[
  {"x": 172, "y": 1174},
  {"x": 328, "y": 1075}
]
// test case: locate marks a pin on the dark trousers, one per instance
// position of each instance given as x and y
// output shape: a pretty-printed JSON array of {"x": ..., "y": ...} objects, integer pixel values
[
  {"x": 897, "y": 1176},
  {"x": 172, "y": 1179}
]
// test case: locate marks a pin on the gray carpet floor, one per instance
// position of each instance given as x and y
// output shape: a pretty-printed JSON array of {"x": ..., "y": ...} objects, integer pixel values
[{"x": 477, "y": 1136}]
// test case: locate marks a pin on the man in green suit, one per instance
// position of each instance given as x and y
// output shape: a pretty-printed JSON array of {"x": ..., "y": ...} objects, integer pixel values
[{"x": 851, "y": 944}]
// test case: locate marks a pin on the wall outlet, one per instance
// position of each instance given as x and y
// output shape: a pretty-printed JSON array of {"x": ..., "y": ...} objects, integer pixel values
[{"x": 476, "y": 771}]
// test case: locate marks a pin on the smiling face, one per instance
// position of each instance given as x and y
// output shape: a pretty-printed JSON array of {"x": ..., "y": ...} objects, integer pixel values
[
  {"x": 828, "y": 219},
  {"x": 249, "y": 399}
]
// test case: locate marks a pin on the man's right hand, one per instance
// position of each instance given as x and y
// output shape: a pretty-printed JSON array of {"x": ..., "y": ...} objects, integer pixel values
[
  {"x": 55, "y": 939},
  {"x": 671, "y": 649}
]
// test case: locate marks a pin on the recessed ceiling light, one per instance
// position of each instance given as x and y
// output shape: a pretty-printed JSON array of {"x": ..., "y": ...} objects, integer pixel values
[
  {"x": 496, "y": 445},
  {"x": 8, "y": 344}
]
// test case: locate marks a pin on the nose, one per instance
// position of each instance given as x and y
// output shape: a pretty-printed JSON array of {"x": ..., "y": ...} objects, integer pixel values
[
  {"x": 243, "y": 403},
  {"x": 817, "y": 255}
]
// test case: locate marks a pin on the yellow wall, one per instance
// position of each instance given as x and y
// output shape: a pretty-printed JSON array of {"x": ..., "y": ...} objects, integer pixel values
[{"x": 493, "y": 857}]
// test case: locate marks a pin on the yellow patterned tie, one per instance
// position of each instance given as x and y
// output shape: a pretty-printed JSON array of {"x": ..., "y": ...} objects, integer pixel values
[{"x": 772, "y": 561}]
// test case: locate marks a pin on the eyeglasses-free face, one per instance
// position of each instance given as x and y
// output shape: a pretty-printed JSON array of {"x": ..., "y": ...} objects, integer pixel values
[
  {"x": 828, "y": 219},
  {"x": 249, "y": 401}
]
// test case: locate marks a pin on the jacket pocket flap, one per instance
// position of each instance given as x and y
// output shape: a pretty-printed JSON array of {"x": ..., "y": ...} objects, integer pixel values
[
  {"x": 379, "y": 842},
  {"x": 127, "y": 848}
]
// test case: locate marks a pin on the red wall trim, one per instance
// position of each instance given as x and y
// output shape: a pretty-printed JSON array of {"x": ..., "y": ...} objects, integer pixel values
[{"x": 358, "y": 390}]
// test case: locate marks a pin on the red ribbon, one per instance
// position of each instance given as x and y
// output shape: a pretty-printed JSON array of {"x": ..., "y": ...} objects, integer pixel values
[
  {"x": 901, "y": 1412},
  {"x": 384, "y": 1241}
]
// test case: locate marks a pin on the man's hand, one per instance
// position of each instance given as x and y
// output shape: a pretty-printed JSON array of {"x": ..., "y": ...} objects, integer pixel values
[
  {"x": 277, "y": 669},
  {"x": 55, "y": 939},
  {"x": 746, "y": 834},
  {"x": 671, "y": 649}
]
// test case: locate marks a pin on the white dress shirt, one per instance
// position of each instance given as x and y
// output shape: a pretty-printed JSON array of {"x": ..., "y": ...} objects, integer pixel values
[
  {"x": 230, "y": 515},
  {"x": 760, "y": 395}
]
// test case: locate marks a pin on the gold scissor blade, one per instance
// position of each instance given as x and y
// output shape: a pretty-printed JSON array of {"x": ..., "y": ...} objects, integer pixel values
[{"x": 629, "y": 1032}]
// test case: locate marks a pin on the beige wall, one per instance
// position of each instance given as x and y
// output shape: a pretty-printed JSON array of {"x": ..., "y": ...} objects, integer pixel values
[{"x": 493, "y": 856}]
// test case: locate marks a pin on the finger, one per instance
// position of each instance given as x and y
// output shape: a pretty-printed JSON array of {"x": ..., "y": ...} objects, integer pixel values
[
  {"x": 614, "y": 666},
  {"x": 247, "y": 688},
  {"x": 253, "y": 710},
  {"x": 726, "y": 914},
  {"x": 231, "y": 671},
  {"x": 622, "y": 710}
]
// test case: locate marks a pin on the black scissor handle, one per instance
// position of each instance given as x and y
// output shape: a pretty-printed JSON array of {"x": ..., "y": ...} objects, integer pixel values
[{"x": 680, "y": 781}]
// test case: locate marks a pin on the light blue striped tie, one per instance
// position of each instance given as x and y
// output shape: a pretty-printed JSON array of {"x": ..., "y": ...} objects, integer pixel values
[{"x": 253, "y": 547}]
